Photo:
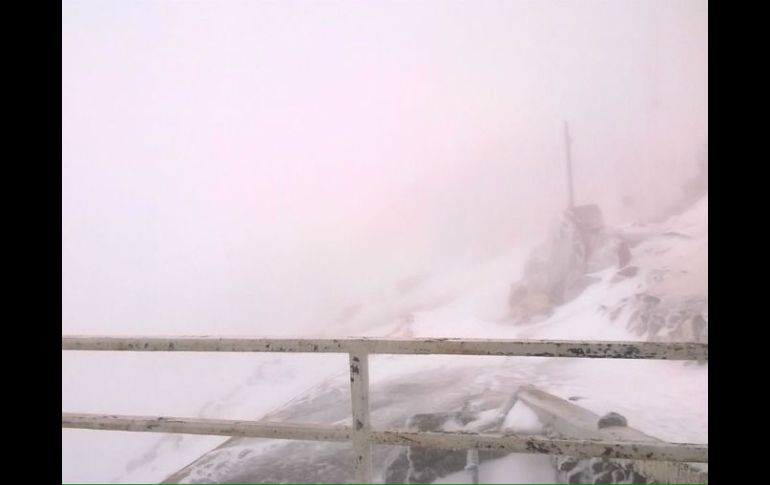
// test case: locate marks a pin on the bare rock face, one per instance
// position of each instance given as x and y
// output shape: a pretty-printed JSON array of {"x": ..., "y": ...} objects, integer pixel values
[
  {"x": 596, "y": 470},
  {"x": 626, "y": 272},
  {"x": 557, "y": 271},
  {"x": 682, "y": 319},
  {"x": 671, "y": 303},
  {"x": 588, "y": 217},
  {"x": 528, "y": 303},
  {"x": 669, "y": 270},
  {"x": 612, "y": 419}
]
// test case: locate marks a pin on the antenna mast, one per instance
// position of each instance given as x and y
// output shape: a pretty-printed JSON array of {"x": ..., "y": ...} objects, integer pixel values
[{"x": 568, "y": 146}]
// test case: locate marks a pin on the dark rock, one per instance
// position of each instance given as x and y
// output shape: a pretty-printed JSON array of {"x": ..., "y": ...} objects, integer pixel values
[
  {"x": 576, "y": 478},
  {"x": 673, "y": 318},
  {"x": 636, "y": 477},
  {"x": 612, "y": 419},
  {"x": 677, "y": 234},
  {"x": 618, "y": 475},
  {"x": 604, "y": 478},
  {"x": 587, "y": 217},
  {"x": 434, "y": 421},
  {"x": 628, "y": 272},
  {"x": 649, "y": 299},
  {"x": 567, "y": 465},
  {"x": 398, "y": 469},
  {"x": 596, "y": 470}
]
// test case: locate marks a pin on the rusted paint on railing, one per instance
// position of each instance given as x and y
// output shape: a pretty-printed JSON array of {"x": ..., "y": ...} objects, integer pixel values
[
  {"x": 205, "y": 426},
  {"x": 523, "y": 348},
  {"x": 359, "y": 395},
  {"x": 515, "y": 443}
]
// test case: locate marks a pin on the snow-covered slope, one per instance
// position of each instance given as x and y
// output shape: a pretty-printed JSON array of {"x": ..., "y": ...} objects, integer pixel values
[{"x": 664, "y": 399}]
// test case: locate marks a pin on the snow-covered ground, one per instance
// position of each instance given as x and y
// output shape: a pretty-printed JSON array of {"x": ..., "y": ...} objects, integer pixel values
[
  {"x": 179, "y": 384},
  {"x": 514, "y": 468},
  {"x": 664, "y": 399}
]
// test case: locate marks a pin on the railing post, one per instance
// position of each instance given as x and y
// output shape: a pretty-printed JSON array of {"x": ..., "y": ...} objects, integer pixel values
[
  {"x": 359, "y": 394},
  {"x": 472, "y": 461}
]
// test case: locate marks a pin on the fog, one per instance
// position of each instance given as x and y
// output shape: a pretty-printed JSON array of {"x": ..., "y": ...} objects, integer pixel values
[{"x": 255, "y": 167}]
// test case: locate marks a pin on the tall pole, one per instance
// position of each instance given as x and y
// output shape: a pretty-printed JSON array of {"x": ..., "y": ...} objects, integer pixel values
[
  {"x": 654, "y": 73},
  {"x": 568, "y": 146}
]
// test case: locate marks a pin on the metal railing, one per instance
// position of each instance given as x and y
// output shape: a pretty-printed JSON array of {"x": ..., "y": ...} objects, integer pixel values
[{"x": 361, "y": 433}]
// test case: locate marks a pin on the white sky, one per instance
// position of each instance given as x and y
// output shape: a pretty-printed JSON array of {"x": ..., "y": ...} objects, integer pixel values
[{"x": 252, "y": 166}]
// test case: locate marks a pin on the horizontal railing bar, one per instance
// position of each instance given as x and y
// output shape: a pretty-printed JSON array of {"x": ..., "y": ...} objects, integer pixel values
[
  {"x": 680, "y": 452},
  {"x": 531, "y": 348},
  {"x": 205, "y": 426},
  {"x": 580, "y": 448}
]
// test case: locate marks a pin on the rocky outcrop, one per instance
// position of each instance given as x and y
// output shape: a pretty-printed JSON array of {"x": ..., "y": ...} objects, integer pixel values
[
  {"x": 671, "y": 298},
  {"x": 558, "y": 271},
  {"x": 667, "y": 274},
  {"x": 596, "y": 470},
  {"x": 676, "y": 319},
  {"x": 529, "y": 302}
]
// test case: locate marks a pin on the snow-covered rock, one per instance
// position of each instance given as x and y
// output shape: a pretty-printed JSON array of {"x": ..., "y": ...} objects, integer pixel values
[{"x": 559, "y": 270}]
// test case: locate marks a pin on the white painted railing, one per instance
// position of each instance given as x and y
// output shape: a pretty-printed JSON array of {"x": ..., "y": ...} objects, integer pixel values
[{"x": 361, "y": 434}]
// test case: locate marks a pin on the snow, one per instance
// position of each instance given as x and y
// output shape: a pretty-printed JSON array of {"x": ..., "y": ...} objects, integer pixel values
[
  {"x": 521, "y": 419},
  {"x": 668, "y": 400},
  {"x": 180, "y": 384},
  {"x": 514, "y": 468},
  {"x": 222, "y": 457}
]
